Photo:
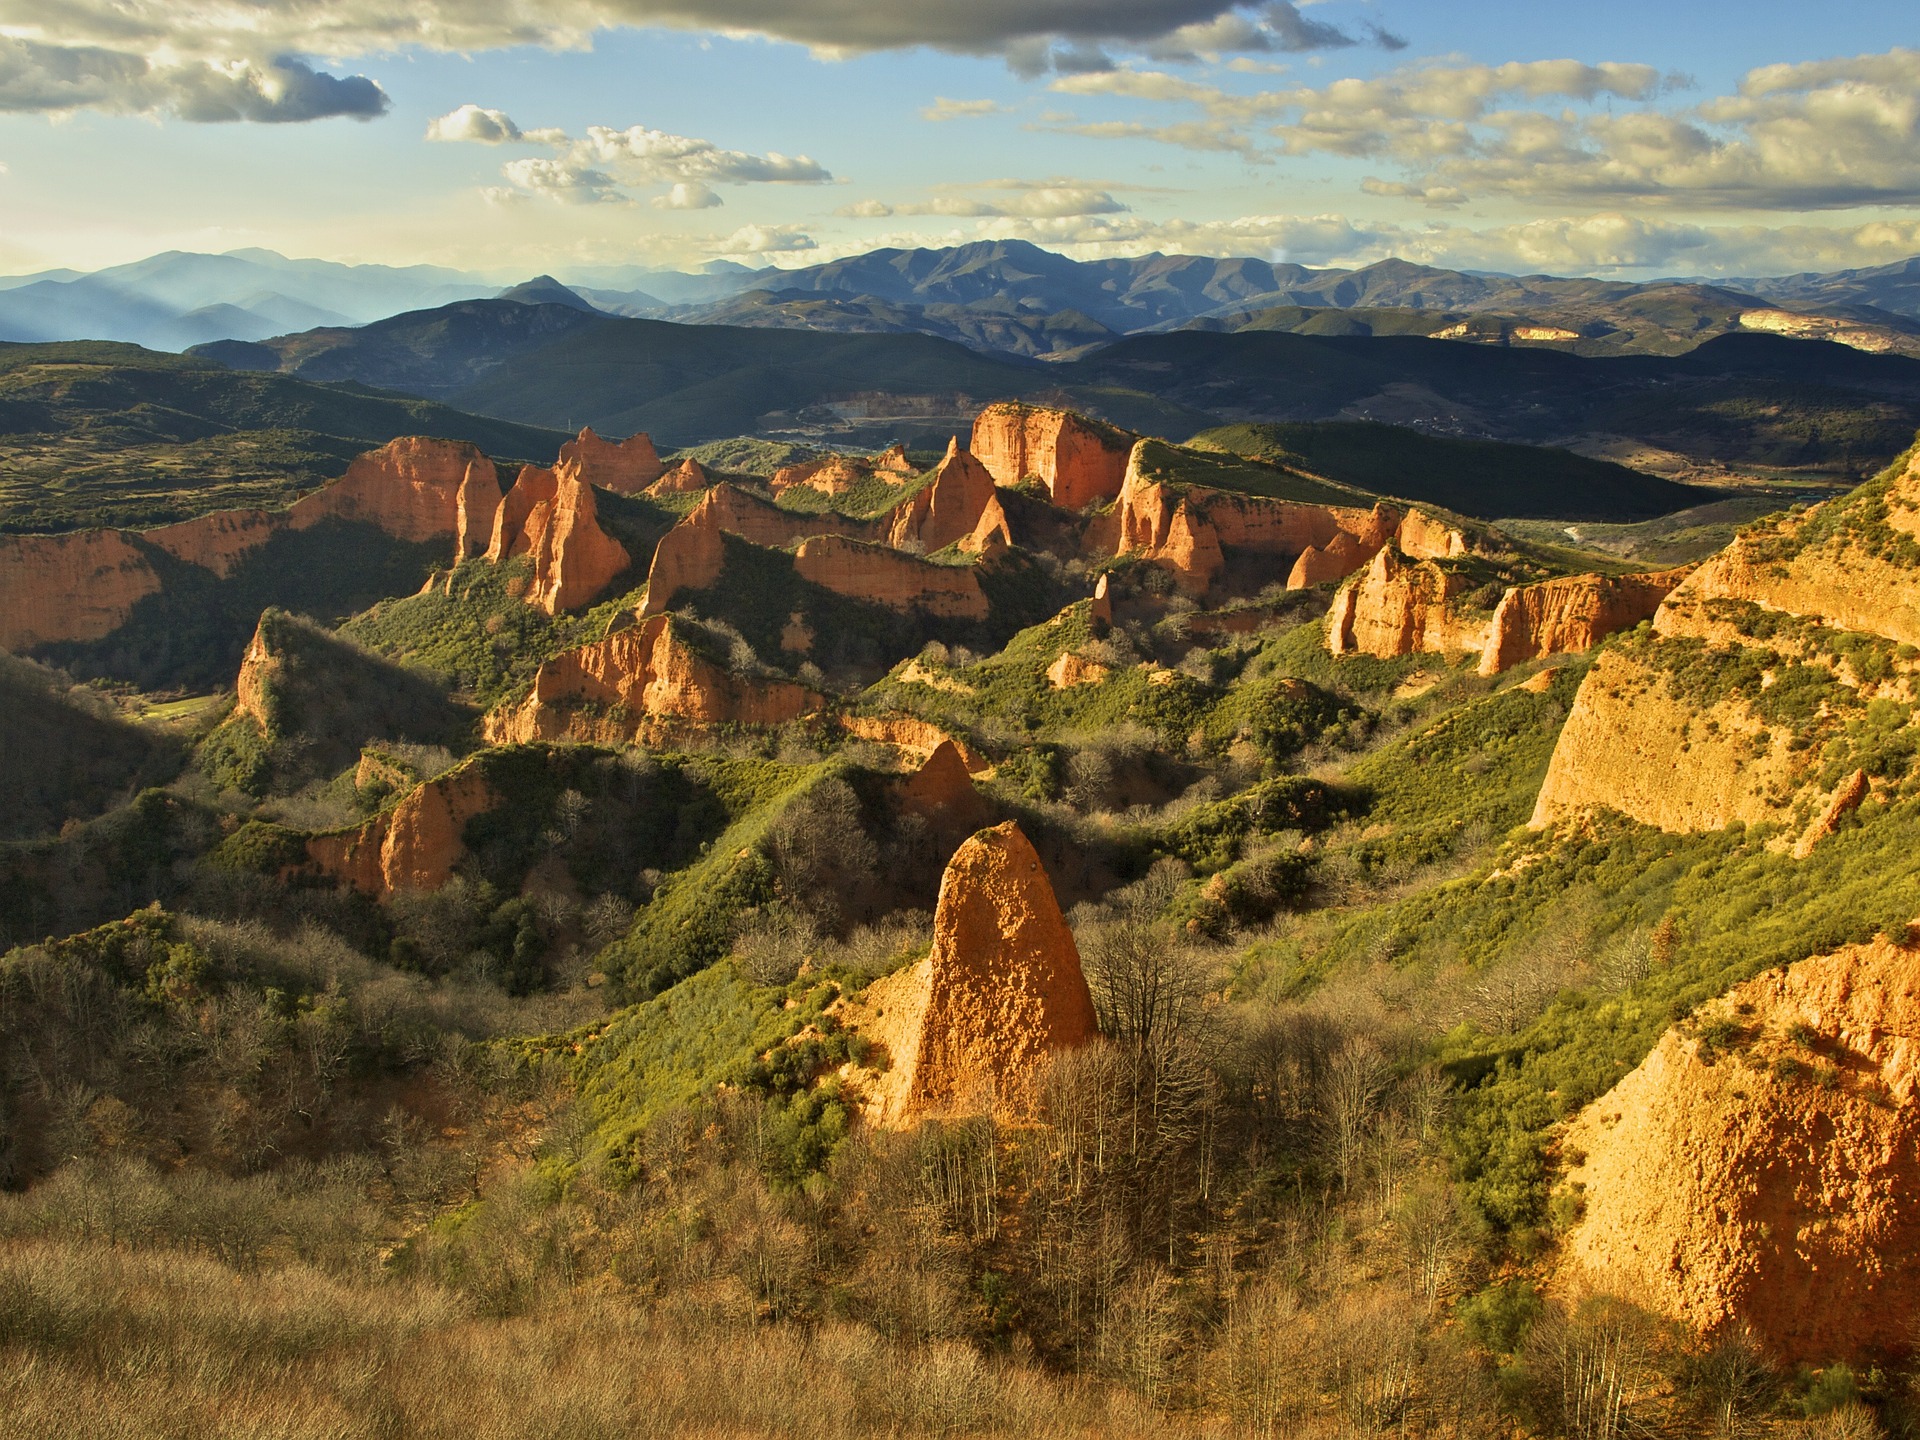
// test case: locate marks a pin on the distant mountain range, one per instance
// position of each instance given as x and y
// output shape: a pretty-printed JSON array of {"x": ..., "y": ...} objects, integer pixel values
[
  {"x": 1756, "y": 404},
  {"x": 1005, "y": 297}
]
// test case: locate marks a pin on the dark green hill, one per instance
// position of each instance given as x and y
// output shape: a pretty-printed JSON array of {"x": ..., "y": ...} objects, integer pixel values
[
  {"x": 66, "y": 753},
  {"x": 93, "y": 433},
  {"x": 1475, "y": 477}
]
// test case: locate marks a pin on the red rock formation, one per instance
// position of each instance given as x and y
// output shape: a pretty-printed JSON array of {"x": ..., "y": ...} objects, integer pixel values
[
  {"x": 257, "y": 666},
  {"x": 1069, "y": 670},
  {"x": 1100, "y": 608},
  {"x": 475, "y": 506},
  {"x": 689, "y": 477},
  {"x": 689, "y": 557},
  {"x": 1729, "y": 1183},
  {"x": 1570, "y": 614},
  {"x": 1397, "y": 607},
  {"x": 917, "y": 737},
  {"x": 1317, "y": 565},
  {"x": 972, "y": 1028},
  {"x": 535, "y": 486},
  {"x": 1846, "y": 799},
  {"x": 887, "y": 577},
  {"x": 410, "y": 488},
  {"x": 1080, "y": 461},
  {"x": 219, "y": 541},
  {"x": 413, "y": 846},
  {"x": 941, "y": 791},
  {"x": 625, "y": 467},
  {"x": 948, "y": 510},
  {"x": 837, "y": 474},
  {"x": 80, "y": 586},
  {"x": 574, "y": 560},
  {"x": 616, "y": 690}
]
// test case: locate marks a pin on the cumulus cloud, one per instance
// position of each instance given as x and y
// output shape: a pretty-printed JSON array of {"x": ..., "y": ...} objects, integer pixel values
[
  {"x": 105, "y": 54},
  {"x": 608, "y": 164},
  {"x": 688, "y": 195},
  {"x": 474, "y": 125},
  {"x": 865, "y": 210},
  {"x": 282, "y": 88},
  {"x": 945, "y": 109},
  {"x": 1833, "y": 133},
  {"x": 764, "y": 240}
]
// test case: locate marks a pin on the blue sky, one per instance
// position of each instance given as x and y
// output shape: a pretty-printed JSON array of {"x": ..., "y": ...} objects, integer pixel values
[{"x": 516, "y": 136}]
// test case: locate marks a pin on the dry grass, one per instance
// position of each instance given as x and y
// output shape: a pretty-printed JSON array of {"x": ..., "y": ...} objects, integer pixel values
[{"x": 110, "y": 1343}]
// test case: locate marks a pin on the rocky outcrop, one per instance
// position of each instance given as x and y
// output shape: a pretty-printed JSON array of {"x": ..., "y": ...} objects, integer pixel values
[
  {"x": 258, "y": 669},
  {"x": 69, "y": 587},
  {"x": 1629, "y": 745},
  {"x": 415, "y": 845},
  {"x": 1100, "y": 608},
  {"x": 941, "y": 791},
  {"x": 972, "y": 1028},
  {"x": 1570, "y": 614},
  {"x": 689, "y": 557},
  {"x": 689, "y": 477},
  {"x": 1762, "y": 1165},
  {"x": 533, "y": 487},
  {"x": 410, "y": 488},
  {"x": 916, "y": 737},
  {"x": 574, "y": 560},
  {"x": 1846, "y": 799},
  {"x": 837, "y": 474},
  {"x": 1070, "y": 669},
  {"x": 950, "y": 509},
  {"x": 625, "y": 467},
  {"x": 638, "y": 681},
  {"x": 1337, "y": 559},
  {"x": 888, "y": 577},
  {"x": 1669, "y": 731},
  {"x": 1080, "y": 461},
  {"x": 1398, "y": 606}
]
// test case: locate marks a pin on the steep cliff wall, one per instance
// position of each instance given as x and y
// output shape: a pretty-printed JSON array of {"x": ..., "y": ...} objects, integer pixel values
[
  {"x": 574, "y": 560},
  {"x": 689, "y": 557},
  {"x": 625, "y": 467},
  {"x": 1743, "y": 703},
  {"x": 689, "y": 477},
  {"x": 617, "y": 689},
  {"x": 80, "y": 586},
  {"x": 1570, "y": 614},
  {"x": 1080, "y": 461},
  {"x": 1770, "y": 1175},
  {"x": 1398, "y": 606},
  {"x": 948, "y": 510},
  {"x": 410, "y": 488},
  {"x": 219, "y": 541},
  {"x": 413, "y": 846},
  {"x": 890, "y": 578},
  {"x": 533, "y": 487}
]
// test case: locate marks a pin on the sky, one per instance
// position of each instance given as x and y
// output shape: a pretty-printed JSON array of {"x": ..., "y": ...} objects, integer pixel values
[{"x": 516, "y": 137}]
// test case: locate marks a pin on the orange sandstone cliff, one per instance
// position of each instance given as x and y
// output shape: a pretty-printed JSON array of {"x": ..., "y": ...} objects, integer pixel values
[
  {"x": 1798, "y": 594},
  {"x": 413, "y": 846},
  {"x": 637, "y": 682},
  {"x": 891, "y": 578},
  {"x": 411, "y": 488},
  {"x": 689, "y": 557},
  {"x": 1570, "y": 614},
  {"x": 573, "y": 558},
  {"x": 950, "y": 509},
  {"x": 625, "y": 467},
  {"x": 1398, "y": 606},
  {"x": 1768, "y": 1176},
  {"x": 1080, "y": 461},
  {"x": 80, "y": 586},
  {"x": 972, "y": 1028}
]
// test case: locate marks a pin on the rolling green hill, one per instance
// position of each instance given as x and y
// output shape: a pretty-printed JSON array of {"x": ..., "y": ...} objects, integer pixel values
[{"x": 93, "y": 433}]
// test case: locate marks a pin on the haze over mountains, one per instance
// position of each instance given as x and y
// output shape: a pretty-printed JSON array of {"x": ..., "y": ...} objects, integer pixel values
[{"x": 998, "y": 296}]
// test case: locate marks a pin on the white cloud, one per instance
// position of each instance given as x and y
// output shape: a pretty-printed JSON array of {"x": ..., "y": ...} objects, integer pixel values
[
  {"x": 945, "y": 109},
  {"x": 1829, "y": 134},
  {"x": 657, "y": 155},
  {"x": 472, "y": 124},
  {"x": 37, "y": 77},
  {"x": 688, "y": 195},
  {"x": 865, "y": 210},
  {"x": 764, "y": 240},
  {"x": 68, "y": 54},
  {"x": 565, "y": 181}
]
